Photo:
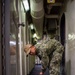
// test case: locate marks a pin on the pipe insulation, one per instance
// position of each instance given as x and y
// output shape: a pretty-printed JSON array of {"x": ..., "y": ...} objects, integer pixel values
[{"x": 37, "y": 13}]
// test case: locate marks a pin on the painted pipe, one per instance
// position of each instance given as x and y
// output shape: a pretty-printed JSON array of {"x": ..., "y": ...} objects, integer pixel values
[{"x": 37, "y": 13}]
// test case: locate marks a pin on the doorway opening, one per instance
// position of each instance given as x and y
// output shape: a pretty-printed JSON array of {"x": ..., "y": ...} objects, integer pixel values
[{"x": 62, "y": 39}]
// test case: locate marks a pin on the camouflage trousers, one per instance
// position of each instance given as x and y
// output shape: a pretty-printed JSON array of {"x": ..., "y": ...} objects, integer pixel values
[{"x": 54, "y": 68}]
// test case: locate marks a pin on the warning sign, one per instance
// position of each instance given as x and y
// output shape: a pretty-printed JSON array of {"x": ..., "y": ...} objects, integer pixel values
[{"x": 50, "y": 1}]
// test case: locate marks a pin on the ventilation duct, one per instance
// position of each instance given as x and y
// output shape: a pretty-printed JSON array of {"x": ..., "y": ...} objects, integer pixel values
[{"x": 37, "y": 13}]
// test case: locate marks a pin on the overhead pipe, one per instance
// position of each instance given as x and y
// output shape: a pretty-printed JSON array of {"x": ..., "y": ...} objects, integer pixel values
[{"x": 37, "y": 13}]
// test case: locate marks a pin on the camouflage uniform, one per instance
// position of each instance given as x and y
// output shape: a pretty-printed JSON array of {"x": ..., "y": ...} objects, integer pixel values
[{"x": 50, "y": 52}]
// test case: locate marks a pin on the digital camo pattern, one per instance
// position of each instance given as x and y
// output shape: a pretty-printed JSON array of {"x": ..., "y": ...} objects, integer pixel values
[{"x": 50, "y": 52}]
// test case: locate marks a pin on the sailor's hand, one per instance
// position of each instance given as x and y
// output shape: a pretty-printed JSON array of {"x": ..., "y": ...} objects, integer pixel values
[{"x": 41, "y": 73}]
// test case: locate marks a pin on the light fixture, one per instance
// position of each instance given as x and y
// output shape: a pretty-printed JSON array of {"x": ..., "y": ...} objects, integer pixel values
[
  {"x": 26, "y": 5},
  {"x": 71, "y": 36},
  {"x": 50, "y": 1},
  {"x": 35, "y": 35},
  {"x": 12, "y": 43},
  {"x": 31, "y": 26}
]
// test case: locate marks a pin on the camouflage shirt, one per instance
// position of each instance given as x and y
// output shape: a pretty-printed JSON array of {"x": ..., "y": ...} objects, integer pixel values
[{"x": 45, "y": 49}]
